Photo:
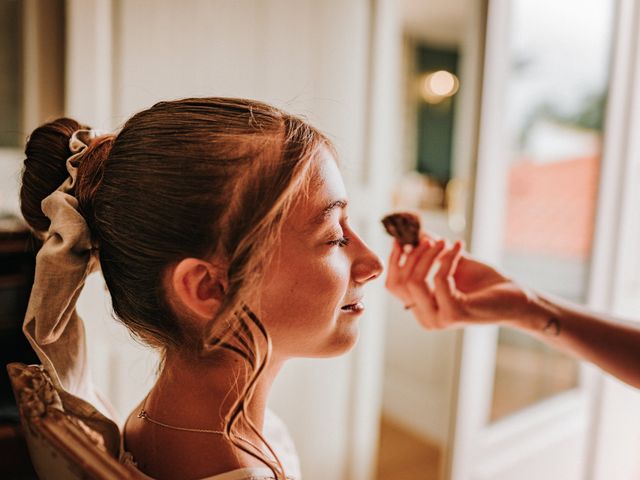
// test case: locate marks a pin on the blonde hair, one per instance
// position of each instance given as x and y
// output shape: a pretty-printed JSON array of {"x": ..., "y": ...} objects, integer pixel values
[{"x": 240, "y": 164}]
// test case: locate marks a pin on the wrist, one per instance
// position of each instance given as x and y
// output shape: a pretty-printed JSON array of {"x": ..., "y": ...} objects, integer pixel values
[{"x": 537, "y": 314}]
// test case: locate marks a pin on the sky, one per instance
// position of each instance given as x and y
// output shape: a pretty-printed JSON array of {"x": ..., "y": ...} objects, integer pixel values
[{"x": 562, "y": 50}]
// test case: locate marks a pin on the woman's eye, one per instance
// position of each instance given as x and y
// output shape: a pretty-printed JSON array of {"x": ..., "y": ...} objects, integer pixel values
[{"x": 340, "y": 242}]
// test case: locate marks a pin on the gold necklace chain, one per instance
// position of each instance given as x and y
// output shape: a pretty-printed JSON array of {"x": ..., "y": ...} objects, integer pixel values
[{"x": 145, "y": 416}]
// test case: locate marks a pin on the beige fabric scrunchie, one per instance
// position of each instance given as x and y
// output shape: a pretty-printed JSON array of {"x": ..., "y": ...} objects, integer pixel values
[{"x": 66, "y": 258}]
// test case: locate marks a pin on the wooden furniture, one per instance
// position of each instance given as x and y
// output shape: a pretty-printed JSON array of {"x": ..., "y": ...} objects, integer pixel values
[{"x": 67, "y": 438}]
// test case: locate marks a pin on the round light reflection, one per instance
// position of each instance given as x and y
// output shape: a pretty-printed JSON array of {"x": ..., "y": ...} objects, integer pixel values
[{"x": 437, "y": 86}]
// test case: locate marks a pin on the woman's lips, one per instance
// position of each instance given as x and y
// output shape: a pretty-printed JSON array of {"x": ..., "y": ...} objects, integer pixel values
[{"x": 354, "y": 308}]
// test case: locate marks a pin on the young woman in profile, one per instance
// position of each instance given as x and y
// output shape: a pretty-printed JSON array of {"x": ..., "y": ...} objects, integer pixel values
[{"x": 221, "y": 229}]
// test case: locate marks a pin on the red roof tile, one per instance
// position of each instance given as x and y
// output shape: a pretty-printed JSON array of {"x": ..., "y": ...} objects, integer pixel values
[{"x": 551, "y": 206}]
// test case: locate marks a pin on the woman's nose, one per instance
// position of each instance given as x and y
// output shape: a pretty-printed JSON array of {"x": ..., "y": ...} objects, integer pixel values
[{"x": 367, "y": 267}]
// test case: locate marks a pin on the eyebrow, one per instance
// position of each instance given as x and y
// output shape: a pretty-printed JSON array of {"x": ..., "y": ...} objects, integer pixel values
[{"x": 321, "y": 217}]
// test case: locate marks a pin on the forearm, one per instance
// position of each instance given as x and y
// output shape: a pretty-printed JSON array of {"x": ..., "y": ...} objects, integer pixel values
[{"x": 611, "y": 344}]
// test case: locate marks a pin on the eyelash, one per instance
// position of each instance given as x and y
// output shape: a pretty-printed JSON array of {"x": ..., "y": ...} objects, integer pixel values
[{"x": 340, "y": 242}]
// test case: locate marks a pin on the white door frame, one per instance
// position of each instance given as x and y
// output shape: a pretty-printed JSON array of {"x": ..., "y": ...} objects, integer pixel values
[
  {"x": 614, "y": 286},
  {"x": 370, "y": 189},
  {"x": 481, "y": 450}
]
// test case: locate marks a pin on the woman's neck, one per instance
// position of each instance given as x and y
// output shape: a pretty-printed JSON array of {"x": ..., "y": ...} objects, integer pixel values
[{"x": 199, "y": 394}]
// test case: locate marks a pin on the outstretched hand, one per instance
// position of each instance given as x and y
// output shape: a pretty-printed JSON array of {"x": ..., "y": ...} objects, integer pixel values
[{"x": 445, "y": 287}]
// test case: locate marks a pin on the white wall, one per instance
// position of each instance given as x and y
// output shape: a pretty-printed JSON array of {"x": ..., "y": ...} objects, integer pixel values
[{"x": 418, "y": 376}]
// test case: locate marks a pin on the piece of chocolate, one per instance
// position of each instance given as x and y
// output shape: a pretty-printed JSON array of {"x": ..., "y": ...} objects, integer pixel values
[{"x": 404, "y": 226}]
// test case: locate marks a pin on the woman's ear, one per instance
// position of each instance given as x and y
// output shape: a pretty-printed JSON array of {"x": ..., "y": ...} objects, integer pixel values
[{"x": 198, "y": 286}]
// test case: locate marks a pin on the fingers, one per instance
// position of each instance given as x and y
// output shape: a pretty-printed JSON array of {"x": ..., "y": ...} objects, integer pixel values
[
  {"x": 401, "y": 265},
  {"x": 445, "y": 290},
  {"x": 413, "y": 257},
  {"x": 449, "y": 261},
  {"x": 437, "y": 306},
  {"x": 415, "y": 279},
  {"x": 424, "y": 264},
  {"x": 429, "y": 236},
  {"x": 434, "y": 306},
  {"x": 393, "y": 282}
]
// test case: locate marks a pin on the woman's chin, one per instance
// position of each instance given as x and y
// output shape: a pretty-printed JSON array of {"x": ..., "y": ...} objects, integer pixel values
[{"x": 341, "y": 342}]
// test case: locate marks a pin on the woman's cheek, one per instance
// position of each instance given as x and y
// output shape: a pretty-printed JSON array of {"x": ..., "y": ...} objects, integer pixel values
[
  {"x": 332, "y": 279},
  {"x": 319, "y": 285}
]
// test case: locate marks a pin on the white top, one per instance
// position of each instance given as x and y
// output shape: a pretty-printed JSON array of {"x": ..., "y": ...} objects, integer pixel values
[
  {"x": 277, "y": 434},
  {"x": 252, "y": 473}
]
